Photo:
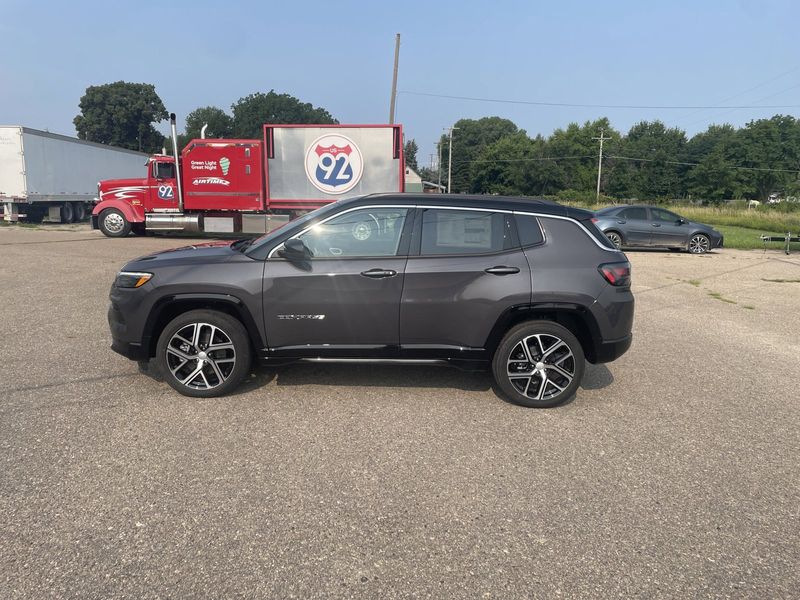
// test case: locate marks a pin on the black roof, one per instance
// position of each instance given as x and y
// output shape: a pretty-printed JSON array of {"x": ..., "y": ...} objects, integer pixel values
[{"x": 539, "y": 205}]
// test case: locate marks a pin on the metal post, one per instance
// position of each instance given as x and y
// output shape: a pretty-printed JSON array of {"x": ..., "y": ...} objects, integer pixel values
[
  {"x": 439, "y": 167},
  {"x": 394, "y": 79},
  {"x": 599, "y": 163},
  {"x": 450, "y": 160},
  {"x": 177, "y": 155}
]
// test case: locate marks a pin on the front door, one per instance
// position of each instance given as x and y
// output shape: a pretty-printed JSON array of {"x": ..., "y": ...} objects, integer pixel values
[
  {"x": 464, "y": 271},
  {"x": 668, "y": 229},
  {"x": 163, "y": 188},
  {"x": 346, "y": 298}
]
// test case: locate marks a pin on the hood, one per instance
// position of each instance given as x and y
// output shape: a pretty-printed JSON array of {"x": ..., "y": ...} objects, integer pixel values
[{"x": 207, "y": 252}]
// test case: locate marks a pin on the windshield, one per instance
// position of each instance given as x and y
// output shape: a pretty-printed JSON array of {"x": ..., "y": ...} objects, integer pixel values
[{"x": 265, "y": 239}]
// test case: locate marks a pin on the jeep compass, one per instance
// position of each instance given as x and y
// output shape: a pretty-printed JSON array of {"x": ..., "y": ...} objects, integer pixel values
[{"x": 527, "y": 288}]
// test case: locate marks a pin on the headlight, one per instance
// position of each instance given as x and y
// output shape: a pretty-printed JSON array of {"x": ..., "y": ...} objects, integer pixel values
[{"x": 130, "y": 279}]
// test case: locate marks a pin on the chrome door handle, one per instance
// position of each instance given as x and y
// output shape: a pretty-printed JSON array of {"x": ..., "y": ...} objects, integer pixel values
[
  {"x": 500, "y": 270},
  {"x": 656, "y": 224},
  {"x": 379, "y": 273},
  {"x": 622, "y": 222}
]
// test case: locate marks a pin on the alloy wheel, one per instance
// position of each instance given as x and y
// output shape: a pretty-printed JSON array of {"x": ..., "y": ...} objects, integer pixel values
[
  {"x": 200, "y": 356},
  {"x": 615, "y": 239},
  {"x": 699, "y": 244},
  {"x": 541, "y": 366}
]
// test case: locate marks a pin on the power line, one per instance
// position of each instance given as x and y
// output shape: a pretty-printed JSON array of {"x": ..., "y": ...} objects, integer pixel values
[
  {"x": 580, "y": 105},
  {"x": 694, "y": 164}
]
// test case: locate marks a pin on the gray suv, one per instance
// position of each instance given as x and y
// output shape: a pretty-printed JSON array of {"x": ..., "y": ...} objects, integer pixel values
[{"x": 529, "y": 288}]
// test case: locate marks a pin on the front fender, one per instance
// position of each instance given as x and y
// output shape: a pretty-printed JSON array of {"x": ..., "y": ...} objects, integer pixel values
[{"x": 134, "y": 214}]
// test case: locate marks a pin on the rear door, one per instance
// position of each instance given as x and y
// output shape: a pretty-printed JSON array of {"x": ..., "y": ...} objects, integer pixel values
[
  {"x": 464, "y": 270},
  {"x": 635, "y": 226},
  {"x": 347, "y": 297}
]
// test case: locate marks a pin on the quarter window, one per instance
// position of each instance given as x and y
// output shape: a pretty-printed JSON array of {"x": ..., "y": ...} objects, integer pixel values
[
  {"x": 364, "y": 232},
  {"x": 463, "y": 232},
  {"x": 529, "y": 230}
]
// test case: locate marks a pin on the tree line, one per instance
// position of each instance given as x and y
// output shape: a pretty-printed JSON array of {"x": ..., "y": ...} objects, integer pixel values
[
  {"x": 492, "y": 155},
  {"x": 649, "y": 162}
]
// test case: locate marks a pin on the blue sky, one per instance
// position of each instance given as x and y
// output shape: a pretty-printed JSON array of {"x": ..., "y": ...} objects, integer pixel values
[{"x": 338, "y": 54}]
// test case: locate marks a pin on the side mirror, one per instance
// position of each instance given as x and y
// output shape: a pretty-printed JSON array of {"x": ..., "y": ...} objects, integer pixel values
[
  {"x": 682, "y": 221},
  {"x": 295, "y": 250}
]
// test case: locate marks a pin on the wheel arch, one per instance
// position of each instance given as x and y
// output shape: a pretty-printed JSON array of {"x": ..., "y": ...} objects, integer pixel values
[
  {"x": 128, "y": 211},
  {"x": 617, "y": 231},
  {"x": 578, "y": 319},
  {"x": 169, "y": 307}
]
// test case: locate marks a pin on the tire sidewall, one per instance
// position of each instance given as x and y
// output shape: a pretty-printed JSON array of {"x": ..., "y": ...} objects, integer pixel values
[
  {"x": 694, "y": 235},
  {"x": 515, "y": 335},
  {"x": 231, "y": 326}
]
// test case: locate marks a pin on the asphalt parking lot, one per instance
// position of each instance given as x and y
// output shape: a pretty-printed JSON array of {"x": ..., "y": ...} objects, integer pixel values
[{"x": 674, "y": 473}]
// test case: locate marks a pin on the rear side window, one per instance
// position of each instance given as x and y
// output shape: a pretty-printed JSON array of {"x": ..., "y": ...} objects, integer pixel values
[
  {"x": 633, "y": 212},
  {"x": 463, "y": 232},
  {"x": 529, "y": 230}
]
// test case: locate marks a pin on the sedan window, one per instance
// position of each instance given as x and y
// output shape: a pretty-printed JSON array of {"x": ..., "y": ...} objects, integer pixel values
[
  {"x": 633, "y": 213},
  {"x": 363, "y": 232},
  {"x": 659, "y": 214}
]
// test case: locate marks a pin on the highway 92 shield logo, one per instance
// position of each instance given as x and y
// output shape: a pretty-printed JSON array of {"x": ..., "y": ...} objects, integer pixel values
[{"x": 334, "y": 164}]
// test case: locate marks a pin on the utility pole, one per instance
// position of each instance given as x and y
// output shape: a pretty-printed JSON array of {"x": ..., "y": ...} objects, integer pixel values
[
  {"x": 439, "y": 167},
  {"x": 600, "y": 163},
  {"x": 394, "y": 79},
  {"x": 450, "y": 160}
]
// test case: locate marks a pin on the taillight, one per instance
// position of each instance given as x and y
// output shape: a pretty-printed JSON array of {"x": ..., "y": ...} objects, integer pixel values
[{"x": 617, "y": 274}]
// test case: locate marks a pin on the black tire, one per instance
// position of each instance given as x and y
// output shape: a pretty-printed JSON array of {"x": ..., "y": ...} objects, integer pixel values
[
  {"x": 110, "y": 224},
  {"x": 561, "y": 350},
  {"x": 215, "y": 327},
  {"x": 67, "y": 213},
  {"x": 615, "y": 237},
  {"x": 79, "y": 211},
  {"x": 699, "y": 243}
]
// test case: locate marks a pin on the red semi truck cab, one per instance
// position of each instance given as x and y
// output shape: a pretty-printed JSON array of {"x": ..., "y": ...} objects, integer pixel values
[{"x": 247, "y": 185}]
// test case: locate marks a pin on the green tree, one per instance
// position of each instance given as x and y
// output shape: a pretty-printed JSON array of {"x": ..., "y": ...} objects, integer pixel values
[
  {"x": 576, "y": 152},
  {"x": 220, "y": 124},
  {"x": 469, "y": 139},
  {"x": 517, "y": 165},
  {"x": 771, "y": 148},
  {"x": 646, "y": 167},
  {"x": 410, "y": 150},
  {"x": 121, "y": 114},
  {"x": 713, "y": 178},
  {"x": 252, "y": 112}
]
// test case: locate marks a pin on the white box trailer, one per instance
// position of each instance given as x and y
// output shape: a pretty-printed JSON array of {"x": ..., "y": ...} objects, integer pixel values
[{"x": 44, "y": 174}]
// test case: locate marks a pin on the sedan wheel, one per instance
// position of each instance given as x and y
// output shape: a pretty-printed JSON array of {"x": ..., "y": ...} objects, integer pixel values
[
  {"x": 204, "y": 353},
  {"x": 539, "y": 364},
  {"x": 699, "y": 244},
  {"x": 615, "y": 239}
]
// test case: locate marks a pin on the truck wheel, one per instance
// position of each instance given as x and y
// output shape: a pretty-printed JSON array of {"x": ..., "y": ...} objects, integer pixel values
[
  {"x": 204, "y": 353},
  {"x": 67, "y": 214},
  {"x": 113, "y": 223},
  {"x": 538, "y": 364},
  {"x": 79, "y": 211}
]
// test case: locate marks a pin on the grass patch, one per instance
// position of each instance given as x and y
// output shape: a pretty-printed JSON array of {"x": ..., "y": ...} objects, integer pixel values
[
  {"x": 745, "y": 238},
  {"x": 694, "y": 282},
  {"x": 781, "y": 280},
  {"x": 748, "y": 306},
  {"x": 721, "y": 298}
]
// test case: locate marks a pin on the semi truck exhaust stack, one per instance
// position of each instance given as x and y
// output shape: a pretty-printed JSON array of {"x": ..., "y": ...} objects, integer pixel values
[{"x": 176, "y": 154}]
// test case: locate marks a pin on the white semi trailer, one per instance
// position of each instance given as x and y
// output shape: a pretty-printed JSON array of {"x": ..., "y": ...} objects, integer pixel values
[{"x": 46, "y": 175}]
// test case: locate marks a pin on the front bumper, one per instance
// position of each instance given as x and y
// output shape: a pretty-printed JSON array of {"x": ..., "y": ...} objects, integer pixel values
[{"x": 126, "y": 323}]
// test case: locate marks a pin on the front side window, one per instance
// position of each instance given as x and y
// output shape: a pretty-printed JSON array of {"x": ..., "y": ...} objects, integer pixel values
[
  {"x": 362, "y": 232},
  {"x": 164, "y": 170},
  {"x": 463, "y": 232},
  {"x": 659, "y": 214}
]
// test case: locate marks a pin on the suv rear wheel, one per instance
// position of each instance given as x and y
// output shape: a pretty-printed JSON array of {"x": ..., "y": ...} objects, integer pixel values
[
  {"x": 538, "y": 364},
  {"x": 204, "y": 353}
]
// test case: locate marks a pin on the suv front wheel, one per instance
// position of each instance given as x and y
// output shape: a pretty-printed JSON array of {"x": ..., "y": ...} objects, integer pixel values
[
  {"x": 538, "y": 364},
  {"x": 204, "y": 353}
]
